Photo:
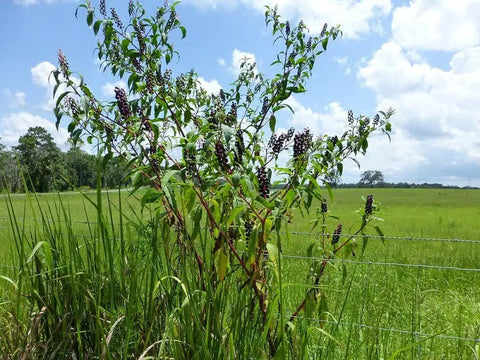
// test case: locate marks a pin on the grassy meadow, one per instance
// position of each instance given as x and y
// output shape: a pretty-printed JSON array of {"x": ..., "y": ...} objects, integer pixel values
[{"x": 376, "y": 305}]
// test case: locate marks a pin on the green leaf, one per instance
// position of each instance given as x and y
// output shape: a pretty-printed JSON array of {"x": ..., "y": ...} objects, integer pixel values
[
  {"x": 90, "y": 17},
  {"x": 221, "y": 263},
  {"x": 323, "y": 309},
  {"x": 189, "y": 197},
  {"x": 380, "y": 233},
  {"x": 364, "y": 243},
  {"x": 10, "y": 281},
  {"x": 151, "y": 196},
  {"x": 183, "y": 30},
  {"x": 96, "y": 26},
  {"x": 273, "y": 123},
  {"x": 265, "y": 202},
  {"x": 235, "y": 212}
]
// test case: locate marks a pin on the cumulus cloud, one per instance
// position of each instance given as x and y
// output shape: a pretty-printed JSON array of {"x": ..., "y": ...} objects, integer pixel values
[
  {"x": 332, "y": 120},
  {"x": 17, "y": 99},
  {"x": 25, "y": 2},
  {"x": 438, "y": 110},
  {"x": 14, "y": 125},
  {"x": 109, "y": 88},
  {"x": 34, "y": 2},
  {"x": 211, "y": 87},
  {"x": 437, "y": 25},
  {"x": 41, "y": 76},
  {"x": 239, "y": 58},
  {"x": 356, "y": 17}
]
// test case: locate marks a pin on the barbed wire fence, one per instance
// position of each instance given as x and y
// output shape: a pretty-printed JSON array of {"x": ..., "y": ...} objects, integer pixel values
[{"x": 475, "y": 341}]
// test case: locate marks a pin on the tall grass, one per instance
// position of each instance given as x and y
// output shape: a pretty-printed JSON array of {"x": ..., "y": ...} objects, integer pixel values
[{"x": 121, "y": 286}]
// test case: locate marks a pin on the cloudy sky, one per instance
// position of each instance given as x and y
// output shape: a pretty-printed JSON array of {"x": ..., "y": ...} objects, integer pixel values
[{"x": 420, "y": 57}]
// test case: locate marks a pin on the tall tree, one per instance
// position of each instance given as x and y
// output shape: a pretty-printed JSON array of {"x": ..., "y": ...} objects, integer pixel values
[
  {"x": 371, "y": 178},
  {"x": 39, "y": 157},
  {"x": 80, "y": 167}
]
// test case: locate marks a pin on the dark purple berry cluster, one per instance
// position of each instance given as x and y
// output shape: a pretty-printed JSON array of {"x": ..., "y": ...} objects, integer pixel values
[
  {"x": 324, "y": 30},
  {"x": 137, "y": 65},
  {"x": 276, "y": 144},
  {"x": 287, "y": 28},
  {"x": 172, "y": 19},
  {"x": 232, "y": 114},
  {"x": 350, "y": 117},
  {"x": 376, "y": 120},
  {"x": 248, "y": 231},
  {"x": 167, "y": 76},
  {"x": 116, "y": 18},
  {"x": 263, "y": 185},
  {"x": 71, "y": 104},
  {"x": 301, "y": 143},
  {"x": 309, "y": 44},
  {"x": 150, "y": 82},
  {"x": 369, "y": 205},
  {"x": 336, "y": 234},
  {"x": 291, "y": 59},
  {"x": 239, "y": 147},
  {"x": 221, "y": 155},
  {"x": 103, "y": 8},
  {"x": 122, "y": 102},
  {"x": 62, "y": 60},
  {"x": 333, "y": 140},
  {"x": 140, "y": 37},
  {"x": 189, "y": 159},
  {"x": 131, "y": 8},
  {"x": 265, "y": 105},
  {"x": 222, "y": 95},
  {"x": 324, "y": 207},
  {"x": 160, "y": 78},
  {"x": 180, "y": 82}
]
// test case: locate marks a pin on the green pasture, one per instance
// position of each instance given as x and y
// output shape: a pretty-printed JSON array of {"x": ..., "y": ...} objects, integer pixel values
[{"x": 417, "y": 281}]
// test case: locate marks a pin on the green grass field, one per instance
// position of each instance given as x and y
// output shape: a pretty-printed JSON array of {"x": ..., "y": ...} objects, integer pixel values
[{"x": 388, "y": 297}]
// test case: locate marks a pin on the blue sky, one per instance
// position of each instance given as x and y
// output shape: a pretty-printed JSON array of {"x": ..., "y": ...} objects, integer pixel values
[{"x": 420, "y": 57}]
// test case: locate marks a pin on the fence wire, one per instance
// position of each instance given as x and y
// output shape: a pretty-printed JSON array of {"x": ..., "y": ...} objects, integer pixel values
[
  {"x": 377, "y": 263},
  {"x": 399, "y": 331},
  {"x": 476, "y": 341}
]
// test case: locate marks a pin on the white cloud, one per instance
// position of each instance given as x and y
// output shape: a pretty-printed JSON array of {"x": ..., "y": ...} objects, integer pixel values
[
  {"x": 109, "y": 88},
  {"x": 390, "y": 158},
  {"x": 356, "y": 17},
  {"x": 25, "y": 2},
  {"x": 17, "y": 99},
  {"x": 20, "y": 99},
  {"x": 211, "y": 87},
  {"x": 14, "y": 125},
  {"x": 34, "y": 2},
  {"x": 331, "y": 121},
  {"x": 437, "y": 25},
  {"x": 221, "y": 62},
  {"x": 240, "y": 57},
  {"x": 438, "y": 111},
  {"x": 42, "y": 76}
]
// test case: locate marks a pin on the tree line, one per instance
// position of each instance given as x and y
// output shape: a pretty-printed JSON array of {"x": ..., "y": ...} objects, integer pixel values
[
  {"x": 375, "y": 179},
  {"x": 38, "y": 164}
]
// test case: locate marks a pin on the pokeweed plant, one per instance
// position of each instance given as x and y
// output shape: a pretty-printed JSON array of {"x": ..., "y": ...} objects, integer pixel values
[{"x": 215, "y": 163}]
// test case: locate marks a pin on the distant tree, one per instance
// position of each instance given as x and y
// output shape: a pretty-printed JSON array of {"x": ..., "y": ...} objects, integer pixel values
[
  {"x": 39, "y": 158},
  {"x": 115, "y": 173},
  {"x": 371, "y": 178},
  {"x": 80, "y": 168}
]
